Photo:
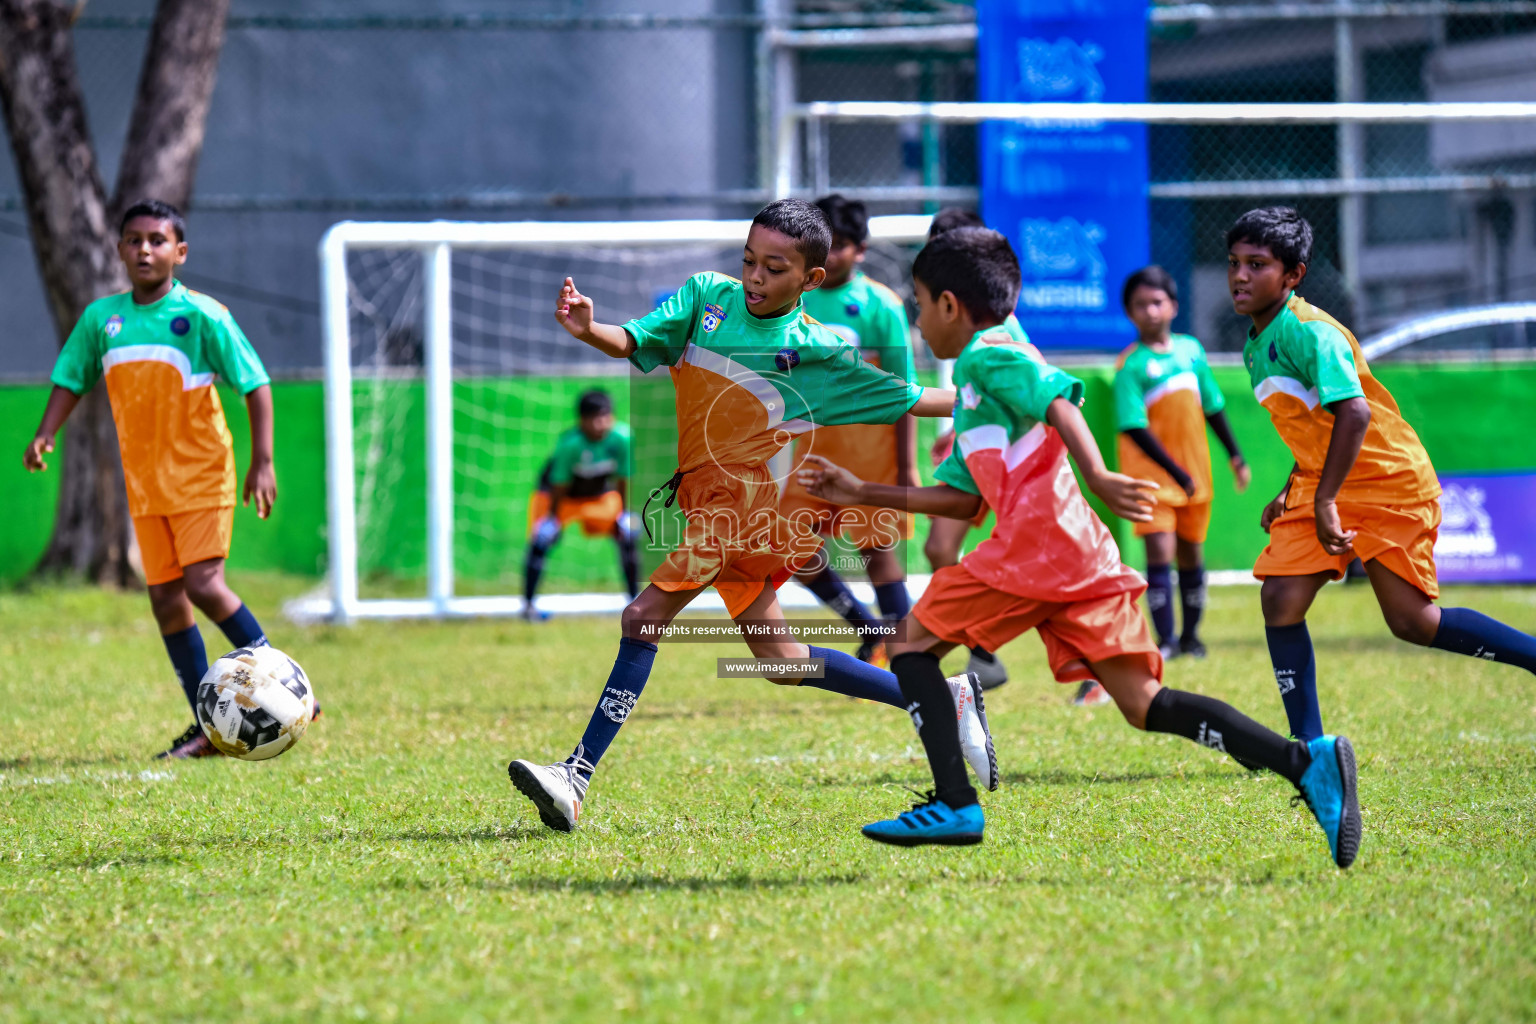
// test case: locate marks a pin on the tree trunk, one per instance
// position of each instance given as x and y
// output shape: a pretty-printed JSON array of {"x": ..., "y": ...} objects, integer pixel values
[
  {"x": 74, "y": 229},
  {"x": 170, "y": 112}
]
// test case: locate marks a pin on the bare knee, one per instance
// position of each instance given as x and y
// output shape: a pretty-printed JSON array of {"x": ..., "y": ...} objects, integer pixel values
[
  {"x": 938, "y": 553},
  {"x": 168, "y": 602},
  {"x": 1286, "y": 599},
  {"x": 1414, "y": 626}
]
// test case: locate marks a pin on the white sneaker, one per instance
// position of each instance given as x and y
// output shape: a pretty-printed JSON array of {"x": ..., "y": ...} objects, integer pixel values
[
  {"x": 989, "y": 674},
  {"x": 975, "y": 737},
  {"x": 557, "y": 790}
]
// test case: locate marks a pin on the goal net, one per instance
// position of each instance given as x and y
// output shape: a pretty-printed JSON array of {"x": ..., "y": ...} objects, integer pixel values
[{"x": 448, "y": 382}]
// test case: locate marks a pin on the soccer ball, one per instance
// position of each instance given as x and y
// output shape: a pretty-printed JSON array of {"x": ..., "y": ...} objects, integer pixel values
[{"x": 254, "y": 703}]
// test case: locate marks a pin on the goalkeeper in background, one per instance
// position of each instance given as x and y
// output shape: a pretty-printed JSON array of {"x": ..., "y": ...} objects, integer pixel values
[{"x": 585, "y": 480}]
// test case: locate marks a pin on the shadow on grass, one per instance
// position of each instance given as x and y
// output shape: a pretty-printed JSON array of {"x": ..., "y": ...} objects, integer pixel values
[{"x": 633, "y": 883}]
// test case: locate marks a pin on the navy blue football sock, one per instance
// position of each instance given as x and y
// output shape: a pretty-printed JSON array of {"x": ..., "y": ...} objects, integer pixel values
[
  {"x": 1160, "y": 601},
  {"x": 1191, "y": 600},
  {"x": 1464, "y": 631},
  {"x": 932, "y": 708},
  {"x": 631, "y": 669},
  {"x": 834, "y": 593},
  {"x": 851, "y": 677},
  {"x": 190, "y": 659},
  {"x": 1290, "y": 651},
  {"x": 893, "y": 600},
  {"x": 242, "y": 629}
]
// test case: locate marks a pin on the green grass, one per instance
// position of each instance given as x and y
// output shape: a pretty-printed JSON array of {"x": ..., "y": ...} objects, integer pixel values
[{"x": 385, "y": 869}]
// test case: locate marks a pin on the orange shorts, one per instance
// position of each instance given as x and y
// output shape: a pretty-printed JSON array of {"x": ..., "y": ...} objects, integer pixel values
[
  {"x": 1400, "y": 537},
  {"x": 734, "y": 539},
  {"x": 864, "y": 526},
  {"x": 598, "y": 515},
  {"x": 166, "y": 543},
  {"x": 1189, "y": 522},
  {"x": 960, "y": 609}
]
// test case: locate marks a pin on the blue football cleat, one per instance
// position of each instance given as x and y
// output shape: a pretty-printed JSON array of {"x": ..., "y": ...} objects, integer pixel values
[
  {"x": 1328, "y": 787},
  {"x": 931, "y": 823}
]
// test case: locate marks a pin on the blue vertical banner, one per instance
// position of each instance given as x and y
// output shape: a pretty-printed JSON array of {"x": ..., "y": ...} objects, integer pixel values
[{"x": 1071, "y": 198}]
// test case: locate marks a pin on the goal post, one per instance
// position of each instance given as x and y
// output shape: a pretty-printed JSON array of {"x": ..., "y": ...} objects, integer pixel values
[{"x": 482, "y": 316}]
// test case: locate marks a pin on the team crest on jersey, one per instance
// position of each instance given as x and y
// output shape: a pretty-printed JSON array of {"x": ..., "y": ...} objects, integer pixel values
[
  {"x": 852, "y": 309},
  {"x": 1154, "y": 368},
  {"x": 968, "y": 397},
  {"x": 714, "y": 316},
  {"x": 113, "y": 326},
  {"x": 181, "y": 325}
]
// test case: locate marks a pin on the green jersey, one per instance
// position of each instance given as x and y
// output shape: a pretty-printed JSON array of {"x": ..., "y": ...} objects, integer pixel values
[
  {"x": 747, "y": 385},
  {"x": 1169, "y": 393},
  {"x": 869, "y": 316},
  {"x": 587, "y": 468},
  {"x": 160, "y": 361}
]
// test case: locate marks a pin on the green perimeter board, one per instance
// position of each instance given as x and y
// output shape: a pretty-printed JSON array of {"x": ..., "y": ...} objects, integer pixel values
[{"x": 1465, "y": 413}]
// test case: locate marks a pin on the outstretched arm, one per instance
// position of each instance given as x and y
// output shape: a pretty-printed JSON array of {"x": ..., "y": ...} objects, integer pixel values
[
  {"x": 835, "y": 484},
  {"x": 61, "y": 403},
  {"x": 934, "y": 402},
  {"x": 1126, "y": 496},
  {"x": 575, "y": 313},
  {"x": 261, "y": 478},
  {"x": 1223, "y": 430}
]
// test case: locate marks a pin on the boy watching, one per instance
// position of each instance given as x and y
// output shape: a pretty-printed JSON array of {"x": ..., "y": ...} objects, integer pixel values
[
  {"x": 751, "y": 371},
  {"x": 159, "y": 347},
  {"x": 1165, "y": 395},
  {"x": 873, "y": 319},
  {"x": 1362, "y": 484},
  {"x": 586, "y": 480},
  {"x": 1049, "y": 565}
]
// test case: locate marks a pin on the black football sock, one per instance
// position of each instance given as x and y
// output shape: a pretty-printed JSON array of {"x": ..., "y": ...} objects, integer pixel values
[
  {"x": 629, "y": 561},
  {"x": 533, "y": 567},
  {"x": 893, "y": 600},
  {"x": 1191, "y": 601},
  {"x": 834, "y": 593},
  {"x": 190, "y": 659},
  {"x": 1160, "y": 602},
  {"x": 1220, "y": 726},
  {"x": 242, "y": 629},
  {"x": 984, "y": 654},
  {"x": 932, "y": 708}
]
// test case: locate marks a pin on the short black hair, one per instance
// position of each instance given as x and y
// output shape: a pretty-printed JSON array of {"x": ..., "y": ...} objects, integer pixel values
[
  {"x": 848, "y": 218},
  {"x": 1280, "y": 229},
  {"x": 158, "y": 209},
  {"x": 977, "y": 265},
  {"x": 593, "y": 403},
  {"x": 1152, "y": 276},
  {"x": 802, "y": 221},
  {"x": 952, "y": 217}
]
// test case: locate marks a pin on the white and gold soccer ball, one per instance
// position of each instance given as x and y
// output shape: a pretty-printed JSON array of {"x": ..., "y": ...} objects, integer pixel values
[{"x": 254, "y": 703}]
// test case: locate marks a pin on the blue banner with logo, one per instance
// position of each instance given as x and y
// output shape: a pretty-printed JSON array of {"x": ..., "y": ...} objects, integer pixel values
[
  {"x": 1071, "y": 199},
  {"x": 1487, "y": 529}
]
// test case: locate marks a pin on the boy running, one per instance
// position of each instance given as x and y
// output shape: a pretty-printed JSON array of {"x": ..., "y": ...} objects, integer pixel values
[
  {"x": 159, "y": 346},
  {"x": 752, "y": 372},
  {"x": 873, "y": 319},
  {"x": 1362, "y": 484},
  {"x": 1049, "y": 565},
  {"x": 1165, "y": 395},
  {"x": 586, "y": 480}
]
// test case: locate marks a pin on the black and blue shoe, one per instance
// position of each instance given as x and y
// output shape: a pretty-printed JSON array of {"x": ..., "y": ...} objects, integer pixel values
[
  {"x": 1328, "y": 787},
  {"x": 932, "y": 823}
]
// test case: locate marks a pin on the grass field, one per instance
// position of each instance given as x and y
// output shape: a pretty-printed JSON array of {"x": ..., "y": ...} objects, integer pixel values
[{"x": 385, "y": 869}]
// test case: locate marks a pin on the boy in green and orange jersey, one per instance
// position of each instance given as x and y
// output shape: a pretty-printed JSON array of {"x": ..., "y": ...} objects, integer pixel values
[
  {"x": 159, "y": 347},
  {"x": 871, "y": 317},
  {"x": 751, "y": 372},
  {"x": 1362, "y": 485},
  {"x": 1050, "y": 564},
  {"x": 1165, "y": 395}
]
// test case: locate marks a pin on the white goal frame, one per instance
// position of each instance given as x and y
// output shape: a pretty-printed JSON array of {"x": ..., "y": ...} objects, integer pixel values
[{"x": 436, "y": 241}]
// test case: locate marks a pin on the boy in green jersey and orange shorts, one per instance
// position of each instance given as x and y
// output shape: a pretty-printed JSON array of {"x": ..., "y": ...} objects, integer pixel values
[
  {"x": 1362, "y": 484},
  {"x": 159, "y": 347},
  {"x": 1165, "y": 395},
  {"x": 752, "y": 372}
]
